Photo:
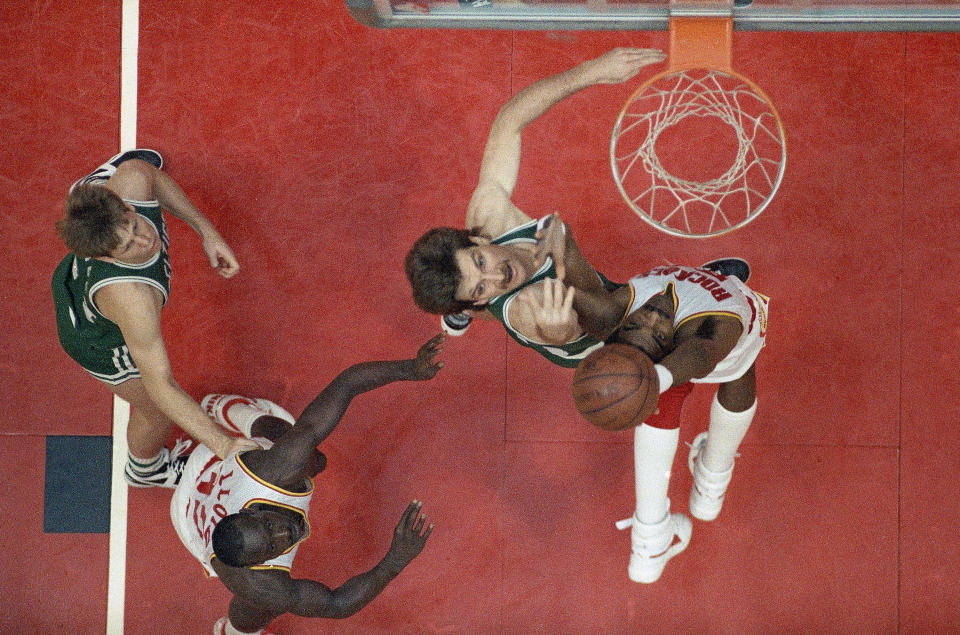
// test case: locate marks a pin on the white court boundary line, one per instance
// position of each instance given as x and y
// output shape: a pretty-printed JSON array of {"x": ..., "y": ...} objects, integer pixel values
[
  {"x": 116, "y": 581},
  {"x": 117, "y": 574}
]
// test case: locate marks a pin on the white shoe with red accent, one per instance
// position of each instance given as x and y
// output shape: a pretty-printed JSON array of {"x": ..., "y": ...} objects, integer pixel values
[
  {"x": 652, "y": 546},
  {"x": 709, "y": 487},
  {"x": 215, "y": 405},
  {"x": 274, "y": 410}
]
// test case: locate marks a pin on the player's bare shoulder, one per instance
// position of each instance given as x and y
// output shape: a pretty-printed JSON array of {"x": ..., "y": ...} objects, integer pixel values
[
  {"x": 491, "y": 212},
  {"x": 133, "y": 180},
  {"x": 128, "y": 299}
]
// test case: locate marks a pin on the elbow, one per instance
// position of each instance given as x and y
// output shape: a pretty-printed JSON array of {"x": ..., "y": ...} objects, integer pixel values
[{"x": 508, "y": 121}]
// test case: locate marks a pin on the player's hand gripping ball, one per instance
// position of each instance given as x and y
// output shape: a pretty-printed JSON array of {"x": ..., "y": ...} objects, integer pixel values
[{"x": 615, "y": 387}]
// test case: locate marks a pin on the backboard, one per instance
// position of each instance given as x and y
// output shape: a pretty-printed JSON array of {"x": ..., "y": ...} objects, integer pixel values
[{"x": 653, "y": 15}]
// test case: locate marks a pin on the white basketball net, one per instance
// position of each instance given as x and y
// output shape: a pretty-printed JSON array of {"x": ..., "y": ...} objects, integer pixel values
[{"x": 686, "y": 207}]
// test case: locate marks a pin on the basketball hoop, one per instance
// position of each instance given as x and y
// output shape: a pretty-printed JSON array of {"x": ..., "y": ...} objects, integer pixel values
[{"x": 698, "y": 150}]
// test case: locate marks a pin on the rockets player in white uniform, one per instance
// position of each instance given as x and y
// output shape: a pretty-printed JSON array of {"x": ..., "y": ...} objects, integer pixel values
[
  {"x": 244, "y": 517},
  {"x": 697, "y": 326}
]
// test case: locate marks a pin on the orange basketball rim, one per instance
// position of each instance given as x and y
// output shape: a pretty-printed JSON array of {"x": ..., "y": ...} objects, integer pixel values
[{"x": 699, "y": 150}]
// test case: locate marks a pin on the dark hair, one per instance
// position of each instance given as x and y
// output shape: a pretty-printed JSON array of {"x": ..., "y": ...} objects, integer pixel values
[
  {"x": 92, "y": 216},
  {"x": 432, "y": 270},
  {"x": 227, "y": 541}
]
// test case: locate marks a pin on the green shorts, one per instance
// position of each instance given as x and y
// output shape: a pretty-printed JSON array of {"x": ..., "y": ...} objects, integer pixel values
[{"x": 110, "y": 365}]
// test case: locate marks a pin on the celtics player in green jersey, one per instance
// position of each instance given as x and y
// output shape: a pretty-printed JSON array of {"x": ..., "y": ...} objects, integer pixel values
[
  {"x": 108, "y": 293},
  {"x": 498, "y": 265}
]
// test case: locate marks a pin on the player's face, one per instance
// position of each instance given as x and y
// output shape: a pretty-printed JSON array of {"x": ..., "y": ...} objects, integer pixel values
[
  {"x": 268, "y": 533},
  {"x": 487, "y": 271},
  {"x": 649, "y": 328},
  {"x": 139, "y": 240}
]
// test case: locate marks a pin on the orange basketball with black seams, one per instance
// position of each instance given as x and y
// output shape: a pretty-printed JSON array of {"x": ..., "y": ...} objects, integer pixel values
[{"x": 615, "y": 387}]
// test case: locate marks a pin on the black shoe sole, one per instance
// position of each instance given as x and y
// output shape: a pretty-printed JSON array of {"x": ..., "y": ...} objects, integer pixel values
[
  {"x": 736, "y": 267},
  {"x": 144, "y": 154}
]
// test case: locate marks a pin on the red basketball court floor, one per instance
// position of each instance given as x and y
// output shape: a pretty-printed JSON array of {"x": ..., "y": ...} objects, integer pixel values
[{"x": 322, "y": 149}]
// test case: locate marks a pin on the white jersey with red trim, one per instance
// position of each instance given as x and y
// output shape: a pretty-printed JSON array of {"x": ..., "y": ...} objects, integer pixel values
[
  {"x": 211, "y": 489},
  {"x": 699, "y": 292}
]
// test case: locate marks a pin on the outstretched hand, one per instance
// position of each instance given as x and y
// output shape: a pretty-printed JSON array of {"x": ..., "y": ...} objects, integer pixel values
[
  {"x": 240, "y": 444},
  {"x": 621, "y": 64},
  {"x": 552, "y": 241},
  {"x": 423, "y": 365},
  {"x": 409, "y": 537},
  {"x": 553, "y": 316}
]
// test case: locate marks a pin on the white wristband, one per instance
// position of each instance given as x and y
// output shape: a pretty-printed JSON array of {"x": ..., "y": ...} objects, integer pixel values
[
  {"x": 455, "y": 323},
  {"x": 665, "y": 377}
]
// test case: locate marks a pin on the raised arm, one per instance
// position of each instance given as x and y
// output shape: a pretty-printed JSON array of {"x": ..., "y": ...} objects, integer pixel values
[
  {"x": 552, "y": 313},
  {"x": 555, "y": 239},
  {"x": 544, "y": 313},
  {"x": 601, "y": 312},
  {"x": 260, "y": 596},
  {"x": 295, "y": 449},
  {"x": 135, "y": 308},
  {"x": 138, "y": 180},
  {"x": 545, "y": 310},
  {"x": 490, "y": 210}
]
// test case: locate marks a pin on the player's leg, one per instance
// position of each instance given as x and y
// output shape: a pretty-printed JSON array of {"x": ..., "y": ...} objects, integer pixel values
[
  {"x": 149, "y": 462},
  {"x": 713, "y": 452},
  {"x": 657, "y": 535}
]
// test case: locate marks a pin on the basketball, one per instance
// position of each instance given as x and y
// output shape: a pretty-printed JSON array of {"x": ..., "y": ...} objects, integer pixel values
[{"x": 615, "y": 387}]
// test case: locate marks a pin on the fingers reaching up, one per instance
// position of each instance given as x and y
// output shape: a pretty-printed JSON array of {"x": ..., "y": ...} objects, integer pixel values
[
  {"x": 552, "y": 241},
  {"x": 552, "y": 313},
  {"x": 411, "y": 533},
  {"x": 424, "y": 364},
  {"x": 621, "y": 64}
]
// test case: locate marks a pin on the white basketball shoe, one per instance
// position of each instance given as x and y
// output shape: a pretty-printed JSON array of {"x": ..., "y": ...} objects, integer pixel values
[
  {"x": 168, "y": 473},
  {"x": 709, "y": 487},
  {"x": 652, "y": 546},
  {"x": 216, "y": 405}
]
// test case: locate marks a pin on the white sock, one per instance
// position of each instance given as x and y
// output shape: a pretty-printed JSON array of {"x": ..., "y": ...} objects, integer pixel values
[
  {"x": 653, "y": 452},
  {"x": 146, "y": 466},
  {"x": 724, "y": 435}
]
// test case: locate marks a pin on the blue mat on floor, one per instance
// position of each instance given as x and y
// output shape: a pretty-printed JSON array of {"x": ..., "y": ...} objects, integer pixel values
[{"x": 76, "y": 493}]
